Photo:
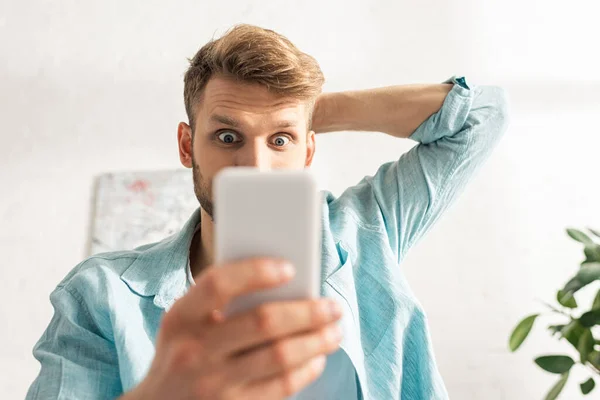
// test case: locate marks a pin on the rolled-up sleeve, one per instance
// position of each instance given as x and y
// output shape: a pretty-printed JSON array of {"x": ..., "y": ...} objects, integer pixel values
[
  {"x": 77, "y": 360},
  {"x": 410, "y": 194}
]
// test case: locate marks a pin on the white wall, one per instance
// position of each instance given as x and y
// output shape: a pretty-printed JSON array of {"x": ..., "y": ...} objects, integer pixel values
[{"x": 90, "y": 87}]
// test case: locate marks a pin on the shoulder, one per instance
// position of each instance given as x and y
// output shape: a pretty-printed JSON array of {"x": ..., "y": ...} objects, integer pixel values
[{"x": 358, "y": 204}]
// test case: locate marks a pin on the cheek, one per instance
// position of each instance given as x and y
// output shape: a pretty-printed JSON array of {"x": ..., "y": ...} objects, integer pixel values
[
  {"x": 295, "y": 158},
  {"x": 211, "y": 160}
]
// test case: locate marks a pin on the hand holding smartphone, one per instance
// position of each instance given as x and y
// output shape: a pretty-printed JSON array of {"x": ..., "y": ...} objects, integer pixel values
[{"x": 270, "y": 352}]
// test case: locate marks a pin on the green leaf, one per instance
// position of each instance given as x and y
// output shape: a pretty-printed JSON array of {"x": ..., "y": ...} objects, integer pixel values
[
  {"x": 566, "y": 299},
  {"x": 579, "y": 236},
  {"x": 558, "y": 387},
  {"x": 555, "y": 364},
  {"x": 572, "y": 332},
  {"x": 586, "y": 345},
  {"x": 590, "y": 318},
  {"x": 588, "y": 273},
  {"x": 596, "y": 304},
  {"x": 592, "y": 253},
  {"x": 521, "y": 331},
  {"x": 595, "y": 232},
  {"x": 594, "y": 359},
  {"x": 587, "y": 386}
]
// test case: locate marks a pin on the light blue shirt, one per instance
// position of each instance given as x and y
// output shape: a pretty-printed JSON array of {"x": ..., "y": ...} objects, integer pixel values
[{"x": 107, "y": 310}]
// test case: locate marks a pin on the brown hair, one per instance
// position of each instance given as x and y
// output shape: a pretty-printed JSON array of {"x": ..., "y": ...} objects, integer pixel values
[{"x": 252, "y": 54}]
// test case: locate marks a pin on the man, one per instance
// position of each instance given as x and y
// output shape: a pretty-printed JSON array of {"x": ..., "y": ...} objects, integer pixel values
[{"x": 146, "y": 323}]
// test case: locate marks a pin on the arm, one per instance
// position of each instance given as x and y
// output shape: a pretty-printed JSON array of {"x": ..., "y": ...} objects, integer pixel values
[
  {"x": 395, "y": 110},
  {"x": 77, "y": 360},
  {"x": 407, "y": 196}
]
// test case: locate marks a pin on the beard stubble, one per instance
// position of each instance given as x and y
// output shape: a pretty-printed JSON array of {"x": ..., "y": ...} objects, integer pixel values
[{"x": 202, "y": 190}]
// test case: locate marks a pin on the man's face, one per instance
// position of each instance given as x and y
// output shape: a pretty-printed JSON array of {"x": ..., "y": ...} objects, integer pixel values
[{"x": 243, "y": 125}]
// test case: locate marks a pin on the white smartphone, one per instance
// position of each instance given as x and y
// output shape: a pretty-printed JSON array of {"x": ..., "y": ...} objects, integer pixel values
[{"x": 269, "y": 214}]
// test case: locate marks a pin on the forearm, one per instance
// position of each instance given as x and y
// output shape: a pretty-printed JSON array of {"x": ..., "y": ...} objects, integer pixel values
[{"x": 395, "y": 110}]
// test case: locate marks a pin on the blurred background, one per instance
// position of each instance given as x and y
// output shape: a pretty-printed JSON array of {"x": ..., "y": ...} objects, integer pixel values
[{"x": 90, "y": 87}]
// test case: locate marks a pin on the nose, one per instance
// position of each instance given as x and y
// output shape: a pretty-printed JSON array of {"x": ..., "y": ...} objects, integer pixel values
[{"x": 254, "y": 155}]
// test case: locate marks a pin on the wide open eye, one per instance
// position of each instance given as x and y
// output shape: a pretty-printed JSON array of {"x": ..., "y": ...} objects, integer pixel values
[
  {"x": 229, "y": 137},
  {"x": 281, "y": 140}
]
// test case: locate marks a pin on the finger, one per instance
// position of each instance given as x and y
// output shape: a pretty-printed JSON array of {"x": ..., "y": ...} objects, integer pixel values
[
  {"x": 284, "y": 355},
  {"x": 288, "y": 383},
  {"x": 218, "y": 285},
  {"x": 269, "y": 322}
]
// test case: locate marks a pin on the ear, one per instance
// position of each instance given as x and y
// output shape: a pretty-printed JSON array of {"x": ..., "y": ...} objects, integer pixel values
[
  {"x": 184, "y": 139},
  {"x": 310, "y": 148}
]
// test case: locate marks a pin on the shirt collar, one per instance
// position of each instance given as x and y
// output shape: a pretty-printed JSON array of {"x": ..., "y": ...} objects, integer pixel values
[{"x": 160, "y": 269}]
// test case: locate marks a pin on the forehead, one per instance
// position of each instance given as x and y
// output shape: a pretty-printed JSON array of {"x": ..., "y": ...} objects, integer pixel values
[{"x": 227, "y": 97}]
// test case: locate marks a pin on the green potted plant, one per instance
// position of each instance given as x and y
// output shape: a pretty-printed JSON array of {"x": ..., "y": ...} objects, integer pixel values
[{"x": 579, "y": 325}]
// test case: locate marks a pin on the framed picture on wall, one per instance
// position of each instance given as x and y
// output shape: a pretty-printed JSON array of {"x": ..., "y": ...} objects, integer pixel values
[{"x": 136, "y": 208}]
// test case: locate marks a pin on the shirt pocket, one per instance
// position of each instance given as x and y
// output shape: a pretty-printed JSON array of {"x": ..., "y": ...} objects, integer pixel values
[{"x": 371, "y": 305}]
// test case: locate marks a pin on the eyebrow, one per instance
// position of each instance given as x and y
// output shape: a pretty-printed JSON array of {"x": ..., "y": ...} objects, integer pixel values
[{"x": 226, "y": 120}]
